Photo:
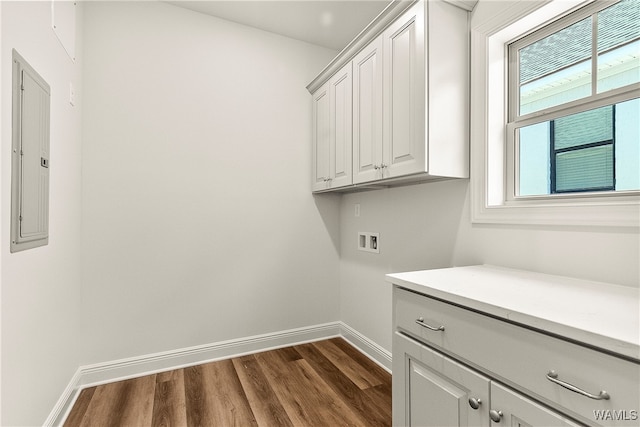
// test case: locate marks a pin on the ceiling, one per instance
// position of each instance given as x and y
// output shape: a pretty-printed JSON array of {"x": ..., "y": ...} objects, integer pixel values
[{"x": 328, "y": 23}]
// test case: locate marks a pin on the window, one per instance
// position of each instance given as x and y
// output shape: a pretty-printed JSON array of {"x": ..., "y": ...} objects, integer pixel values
[
  {"x": 564, "y": 76},
  {"x": 557, "y": 75}
]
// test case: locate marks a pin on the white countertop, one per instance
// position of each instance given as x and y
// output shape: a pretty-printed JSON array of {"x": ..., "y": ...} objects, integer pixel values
[{"x": 598, "y": 314}]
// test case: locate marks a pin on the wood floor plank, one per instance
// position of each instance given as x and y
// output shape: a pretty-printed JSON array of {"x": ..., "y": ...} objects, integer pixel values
[
  {"x": 308, "y": 400},
  {"x": 380, "y": 397},
  {"x": 368, "y": 407},
  {"x": 169, "y": 404},
  {"x": 138, "y": 408},
  {"x": 360, "y": 376},
  {"x": 123, "y": 403},
  {"x": 215, "y": 396},
  {"x": 174, "y": 375},
  {"x": 105, "y": 408},
  {"x": 373, "y": 368},
  {"x": 263, "y": 401},
  {"x": 80, "y": 407}
]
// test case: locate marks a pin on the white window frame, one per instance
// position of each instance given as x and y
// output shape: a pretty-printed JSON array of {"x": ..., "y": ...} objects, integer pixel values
[{"x": 495, "y": 24}]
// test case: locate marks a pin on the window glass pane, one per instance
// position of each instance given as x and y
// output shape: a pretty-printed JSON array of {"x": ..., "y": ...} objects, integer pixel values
[
  {"x": 595, "y": 150},
  {"x": 584, "y": 128},
  {"x": 585, "y": 169},
  {"x": 618, "y": 45},
  {"x": 556, "y": 69},
  {"x": 628, "y": 145},
  {"x": 534, "y": 170}
]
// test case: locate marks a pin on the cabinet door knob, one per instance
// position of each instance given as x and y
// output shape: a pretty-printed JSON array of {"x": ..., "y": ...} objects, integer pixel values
[
  {"x": 495, "y": 415},
  {"x": 475, "y": 403}
]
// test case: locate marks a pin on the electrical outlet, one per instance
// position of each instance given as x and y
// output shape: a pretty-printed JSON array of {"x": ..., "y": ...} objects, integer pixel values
[{"x": 369, "y": 242}]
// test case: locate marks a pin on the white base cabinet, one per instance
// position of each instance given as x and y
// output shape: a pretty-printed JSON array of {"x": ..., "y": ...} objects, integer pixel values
[
  {"x": 482, "y": 346},
  {"x": 438, "y": 392}
]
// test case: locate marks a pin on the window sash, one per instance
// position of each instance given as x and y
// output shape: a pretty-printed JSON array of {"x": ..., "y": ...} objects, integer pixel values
[
  {"x": 588, "y": 102},
  {"x": 512, "y": 172}
]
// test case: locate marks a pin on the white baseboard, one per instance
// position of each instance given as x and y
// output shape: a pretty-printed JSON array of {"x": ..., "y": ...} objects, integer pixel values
[
  {"x": 118, "y": 370},
  {"x": 65, "y": 403},
  {"x": 175, "y": 359},
  {"x": 369, "y": 348}
]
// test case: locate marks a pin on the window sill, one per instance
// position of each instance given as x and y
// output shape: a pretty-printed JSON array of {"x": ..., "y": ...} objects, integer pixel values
[{"x": 608, "y": 212}]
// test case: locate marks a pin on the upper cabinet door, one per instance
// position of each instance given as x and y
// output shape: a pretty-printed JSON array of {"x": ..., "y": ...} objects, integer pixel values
[
  {"x": 321, "y": 138},
  {"x": 404, "y": 94},
  {"x": 367, "y": 113},
  {"x": 340, "y": 119}
]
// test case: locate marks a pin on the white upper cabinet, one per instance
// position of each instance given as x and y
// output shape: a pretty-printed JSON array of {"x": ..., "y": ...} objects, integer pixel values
[
  {"x": 410, "y": 98},
  {"x": 332, "y": 117}
]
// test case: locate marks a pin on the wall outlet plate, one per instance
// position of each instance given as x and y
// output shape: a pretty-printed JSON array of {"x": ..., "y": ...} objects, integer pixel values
[{"x": 369, "y": 242}]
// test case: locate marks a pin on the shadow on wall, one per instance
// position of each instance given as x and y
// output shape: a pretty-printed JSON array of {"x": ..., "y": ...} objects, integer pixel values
[
  {"x": 328, "y": 205},
  {"x": 418, "y": 224}
]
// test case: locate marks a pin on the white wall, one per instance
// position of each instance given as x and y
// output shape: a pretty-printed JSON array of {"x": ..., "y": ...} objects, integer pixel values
[
  {"x": 198, "y": 221},
  {"x": 41, "y": 287},
  {"x": 418, "y": 225},
  {"x": 428, "y": 226}
]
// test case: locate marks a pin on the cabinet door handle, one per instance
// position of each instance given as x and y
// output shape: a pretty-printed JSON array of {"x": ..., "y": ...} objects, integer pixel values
[
  {"x": 553, "y": 377},
  {"x": 420, "y": 321},
  {"x": 495, "y": 415}
]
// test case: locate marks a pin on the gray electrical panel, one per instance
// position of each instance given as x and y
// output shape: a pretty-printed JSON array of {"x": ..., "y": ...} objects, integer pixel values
[{"x": 29, "y": 157}]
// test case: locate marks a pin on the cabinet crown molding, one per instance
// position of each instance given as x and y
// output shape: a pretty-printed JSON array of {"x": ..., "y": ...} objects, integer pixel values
[{"x": 370, "y": 32}]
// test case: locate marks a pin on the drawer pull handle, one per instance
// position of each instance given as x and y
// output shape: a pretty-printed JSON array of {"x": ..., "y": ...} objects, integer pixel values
[
  {"x": 553, "y": 377},
  {"x": 475, "y": 403},
  {"x": 495, "y": 415},
  {"x": 420, "y": 321}
]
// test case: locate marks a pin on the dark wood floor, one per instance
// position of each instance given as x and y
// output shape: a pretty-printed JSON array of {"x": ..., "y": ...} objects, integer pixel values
[{"x": 325, "y": 383}]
